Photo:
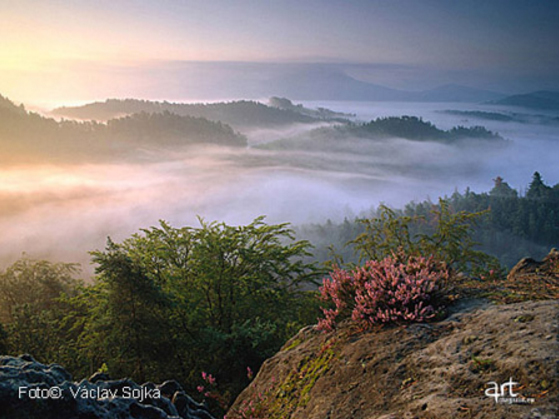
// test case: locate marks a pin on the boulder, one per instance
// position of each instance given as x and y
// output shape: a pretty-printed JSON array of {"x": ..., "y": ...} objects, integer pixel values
[
  {"x": 531, "y": 279},
  {"x": 443, "y": 369},
  {"x": 549, "y": 266}
]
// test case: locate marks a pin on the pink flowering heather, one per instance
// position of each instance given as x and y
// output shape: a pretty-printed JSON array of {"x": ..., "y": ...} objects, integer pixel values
[
  {"x": 257, "y": 407},
  {"x": 340, "y": 289},
  {"x": 395, "y": 289},
  {"x": 250, "y": 373},
  {"x": 208, "y": 378},
  {"x": 211, "y": 392}
]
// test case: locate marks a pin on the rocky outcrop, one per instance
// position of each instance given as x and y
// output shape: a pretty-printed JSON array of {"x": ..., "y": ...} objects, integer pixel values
[
  {"x": 549, "y": 266},
  {"x": 29, "y": 389},
  {"x": 535, "y": 280},
  {"x": 465, "y": 366}
]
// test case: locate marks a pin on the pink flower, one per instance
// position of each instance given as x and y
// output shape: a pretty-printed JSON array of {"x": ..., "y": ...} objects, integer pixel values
[
  {"x": 397, "y": 288},
  {"x": 208, "y": 378}
]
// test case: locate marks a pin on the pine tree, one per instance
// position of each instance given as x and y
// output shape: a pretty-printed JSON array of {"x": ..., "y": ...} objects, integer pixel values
[{"x": 538, "y": 189}]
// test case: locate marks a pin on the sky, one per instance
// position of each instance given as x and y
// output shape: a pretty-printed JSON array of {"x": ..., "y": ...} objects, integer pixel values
[{"x": 55, "y": 51}]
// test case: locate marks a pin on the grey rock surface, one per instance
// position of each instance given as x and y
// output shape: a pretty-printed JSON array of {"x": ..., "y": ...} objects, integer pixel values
[
  {"x": 424, "y": 371},
  {"x": 31, "y": 390}
]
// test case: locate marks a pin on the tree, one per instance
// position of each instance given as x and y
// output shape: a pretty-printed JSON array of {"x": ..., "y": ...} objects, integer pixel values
[
  {"x": 36, "y": 283},
  {"x": 442, "y": 233},
  {"x": 135, "y": 318},
  {"x": 538, "y": 189},
  {"x": 218, "y": 298},
  {"x": 502, "y": 189},
  {"x": 30, "y": 293}
]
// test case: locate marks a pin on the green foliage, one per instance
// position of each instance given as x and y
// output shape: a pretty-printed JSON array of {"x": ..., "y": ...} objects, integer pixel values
[
  {"x": 514, "y": 225},
  {"x": 26, "y": 135},
  {"x": 104, "y": 369},
  {"x": 135, "y": 316},
  {"x": 238, "y": 113},
  {"x": 479, "y": 365},
  {"x": 217, "y": 298},
  {"x": 31, "y": 294},
  {"x": 292, "y": 392},
  {"x": 538, "y": 189},
  {"x": 491, "y": 116},
  {"x": 385, "y": 234},
  {"x": 410, "y": 127},
  {"x": 502, "y": 189},
  {"x": 80, "y": 323},
  {"x": 345, "y": 137},
  {"x": 35, "y": 285},
  {"x": 442, "y": 233},
  {"x": 414, "y": 128},
  {"x": 517, "y": 226},
  {"x": 170, "y": 129},
  {"x": 33, "y": 331},
  {"x": 167, "y": 302}
]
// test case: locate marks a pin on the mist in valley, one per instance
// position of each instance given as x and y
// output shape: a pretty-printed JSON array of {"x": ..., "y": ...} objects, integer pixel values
[{"x": 62, "y": 210}]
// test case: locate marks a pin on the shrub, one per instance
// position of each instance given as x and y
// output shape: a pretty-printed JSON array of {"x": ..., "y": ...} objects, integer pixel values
[
  {"x": 217, "y": 297},
  {"x": 443, "y": 233},
  {"x": 395, "y": 289}
]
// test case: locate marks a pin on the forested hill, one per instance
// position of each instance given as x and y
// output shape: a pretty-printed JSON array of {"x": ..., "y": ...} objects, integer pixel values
[
  {"x": 320, "y": 113},
  {"x": 542, "y": 100},
  {"x": 407, "y": 127},
  {"x": 239, "y": 114},
  {"x": 29, "y": 134},
  {"x": 513, "y": 226},
  {"x": 7, "y": 105},
  {"x": 414, "y": 128},
  {"x": 515, "y": 117},
  {"x": 516, "y": 225}
]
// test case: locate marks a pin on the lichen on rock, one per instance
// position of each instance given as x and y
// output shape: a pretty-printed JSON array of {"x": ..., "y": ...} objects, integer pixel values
[{"x": 433, "y": 370}]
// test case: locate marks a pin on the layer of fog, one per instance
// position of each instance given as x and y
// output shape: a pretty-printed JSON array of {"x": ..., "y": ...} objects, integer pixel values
[
  {"x": 62, "y": 212},
  {"x": 264, "y": 135}
]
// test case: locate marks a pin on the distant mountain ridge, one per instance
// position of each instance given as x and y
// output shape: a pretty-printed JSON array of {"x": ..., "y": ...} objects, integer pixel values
[
  {"x": 454, "y": 93},
  {"x": 315, "y": 84},
  {"x": 302, "y": 86},
  {"x": 542, "y": 99},
  {"x": 326, "y": 84}
]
